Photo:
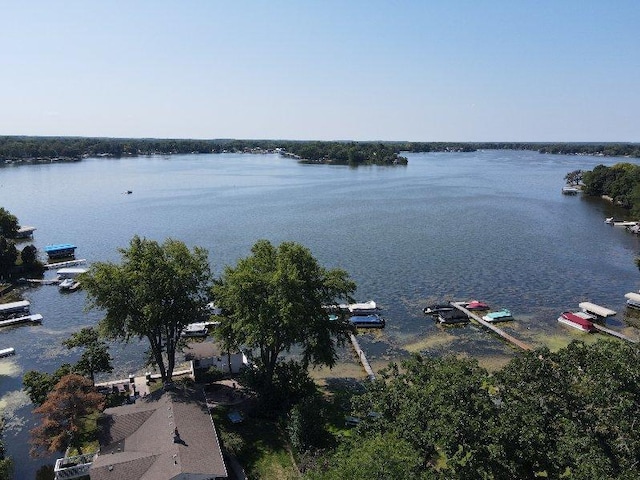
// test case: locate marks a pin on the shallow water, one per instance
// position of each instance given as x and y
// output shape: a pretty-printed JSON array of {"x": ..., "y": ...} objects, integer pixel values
[{"x": 489, "y": 225}]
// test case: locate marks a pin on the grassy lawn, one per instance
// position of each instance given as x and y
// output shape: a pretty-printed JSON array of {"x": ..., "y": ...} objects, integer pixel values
[{"x": 260, "y": 445}]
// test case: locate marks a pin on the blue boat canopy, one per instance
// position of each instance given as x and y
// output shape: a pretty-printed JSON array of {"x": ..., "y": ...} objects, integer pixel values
[{"x": 60, "y": 246}]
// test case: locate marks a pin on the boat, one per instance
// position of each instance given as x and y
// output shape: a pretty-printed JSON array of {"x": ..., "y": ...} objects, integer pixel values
[
  {"x": 476, "y": 305},
  {"x": 213, "y": 309},
  {"x": 503, "y": 315},
  {"x": 5, "y": 352},
  {"x": 198, "y": 329},
  {"x": 570, "y": 190},
  {"x": 25, "y": 232},
  {"x": 634, "y": 229},
  {"x": 633, "y": 300},
  {"x": 371, "y": 320},
  {"x": 12, "y": 308},
  {"x": 363, "y": 308},
  {"x": 437, "y": 307},
  {"x": 452, "y": 316},
  {"x": 70, "y": 272},
  {"x": 36, "y": 318},
  {"x": 609, "y": 220},
  {"x": 69, "y": 284},
  {"x": 596, "y": 310},
  {"x": 61, "y": 250},
  {"x": 576, "y": 321}
]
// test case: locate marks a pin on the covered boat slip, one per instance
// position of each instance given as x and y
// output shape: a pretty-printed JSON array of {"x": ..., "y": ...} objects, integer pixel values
[
  {"x": 633, "y": 299},
  {"x": 596, "y": 309},
  {"x": 61, "y": 250},
  {"x": 12, "y": 308}
]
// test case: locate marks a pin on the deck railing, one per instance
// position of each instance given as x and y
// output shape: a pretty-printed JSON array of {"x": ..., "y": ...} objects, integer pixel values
[{"x": 73, "y": 467}]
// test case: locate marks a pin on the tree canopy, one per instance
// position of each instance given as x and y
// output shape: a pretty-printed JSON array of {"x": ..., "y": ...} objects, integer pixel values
[
  {"x": 95, "y": 357},
  {"x": 153, "y": 293},
  {"x": 8, "y": 224},
  {"x": 567, "y": 414},
  {"x": 621, "y": 182},
  {"x": 63, "y": 413},
  {"x": 274, "y": 299}
]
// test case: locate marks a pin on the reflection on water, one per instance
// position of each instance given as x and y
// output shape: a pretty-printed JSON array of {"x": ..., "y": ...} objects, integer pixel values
[{"x": 449, "y": 226}]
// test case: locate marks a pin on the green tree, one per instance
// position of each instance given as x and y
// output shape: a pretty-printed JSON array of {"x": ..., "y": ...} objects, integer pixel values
[
  {"x": 440, "y": 406},
  {"x": 383, "y": 456},
  {"x": 8, "y": 224},
  {"x": 63, "y": 415},
  {"x": 574, "y": 177},
  {"x": 153, "y": 293},
  {"x": 6, "y": 463},
  {"x": 8, "y": 257},
  {"x": 95, "y": 357},
  {"x": 274, "y": 299},
  {"x": 37, "y": 384}
]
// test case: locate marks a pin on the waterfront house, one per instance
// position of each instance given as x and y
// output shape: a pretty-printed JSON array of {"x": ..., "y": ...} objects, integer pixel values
[{"x": 167, "y": 435}]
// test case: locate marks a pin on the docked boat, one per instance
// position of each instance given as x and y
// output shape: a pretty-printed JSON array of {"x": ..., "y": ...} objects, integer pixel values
[
  {"x": 25, "y": 232},
  {"x": 69, "y": 285},
  {"x": 503, "y": 315},
  {"x": 437, "y": 307},
  {"x": 213, "y": 309},
  {"x": 14, "y": 308},
  {"x": 610, "y": 220},
  {"x": 633, "y": 300},
  {"x": 5, "y": 352},
  {"x": 198, "y": 329},
  {"x": 363, "y": 308},
  {"x": 576, "y": 321},
  {"x": 371, "y": 320},
  {"x": 452, "y": 317},
  {"x": 61, "y": 250},
  {"x": 476, "y": 305},
  {"x": 570, "y": 190}
]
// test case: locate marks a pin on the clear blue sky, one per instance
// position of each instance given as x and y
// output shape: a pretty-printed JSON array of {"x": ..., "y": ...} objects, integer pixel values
[{"x": 477, "y": 70}]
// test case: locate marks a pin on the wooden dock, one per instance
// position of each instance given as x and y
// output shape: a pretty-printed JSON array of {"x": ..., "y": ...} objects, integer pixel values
[
  {"x": 68, "y": 263},
  {"x": 362, "y": 357},
  {"x": 493, "y": 328},
  {"x": 619, "y": 335},
  {"x": 37, "y": 318}
]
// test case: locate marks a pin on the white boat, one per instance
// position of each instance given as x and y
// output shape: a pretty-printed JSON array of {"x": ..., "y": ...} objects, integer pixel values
[
  {"x": 213, "y": 309},
  {"x": 633, "y": 300},
  {"x": 69, "y": 284},
  {"x": 570, "y": 190},
  {"x": 363, "y": 308},
  {"x": 576, "y": 321},
  {"x": 198, "y": 329},
  {"x": 609, "y": 220},
  {"x": 499, "y": 316},
  {"x": 5, "y": 352}
]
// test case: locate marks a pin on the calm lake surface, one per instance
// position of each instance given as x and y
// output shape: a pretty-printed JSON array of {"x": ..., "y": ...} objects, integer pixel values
[{"x": 490, "y": 225}]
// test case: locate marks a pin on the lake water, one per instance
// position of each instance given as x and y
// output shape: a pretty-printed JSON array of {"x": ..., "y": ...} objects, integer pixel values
[{"x": 489, "y": 225}]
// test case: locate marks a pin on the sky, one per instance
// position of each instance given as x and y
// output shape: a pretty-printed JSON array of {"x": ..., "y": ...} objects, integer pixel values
[{"x": 429, "y": 70}]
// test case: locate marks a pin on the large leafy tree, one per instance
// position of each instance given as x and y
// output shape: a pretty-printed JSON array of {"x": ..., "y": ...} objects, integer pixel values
[
  {"x": 63, "y": 415},
  {"x": 95, "y": 357},
  {"x": 274, "y": 299},
  {"x": 37, "y": 385},
  {"x": 8, "y": 257},
  {"x": 8, "y": 224},
  {"x": 153, "y": 293}
]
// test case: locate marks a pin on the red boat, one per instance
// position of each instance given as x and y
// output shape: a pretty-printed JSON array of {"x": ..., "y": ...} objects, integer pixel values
[
  {"x": 476, "y": 305},
  {"x": 576, "y": 321}
]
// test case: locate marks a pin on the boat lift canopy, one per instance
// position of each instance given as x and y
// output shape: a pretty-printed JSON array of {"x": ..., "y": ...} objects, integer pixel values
[
  {"x": 596, "y": 309},
  {"x": 634, "y": 297}
]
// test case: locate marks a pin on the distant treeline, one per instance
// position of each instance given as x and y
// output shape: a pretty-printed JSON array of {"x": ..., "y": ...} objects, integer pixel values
[
  {"x": 46, "y": 149},
  {"x": 620, "y": 182}
]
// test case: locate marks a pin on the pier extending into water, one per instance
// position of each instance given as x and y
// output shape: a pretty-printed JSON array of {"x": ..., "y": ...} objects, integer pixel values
[
  {"x": 362, "y": 357},
  {"x": 68, "y": 263},
  {"x": 619, "y": 335},
  {"x": 493, "y": 328}
]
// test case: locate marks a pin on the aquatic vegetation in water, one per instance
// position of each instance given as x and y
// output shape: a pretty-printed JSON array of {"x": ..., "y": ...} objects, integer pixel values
[{"x": 10, "y": 403}]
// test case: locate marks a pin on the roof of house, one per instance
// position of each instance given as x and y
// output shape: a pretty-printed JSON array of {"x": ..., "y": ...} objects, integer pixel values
[
  {"x": 139, "y": 441},
  {"x": 200, "y": 350}
]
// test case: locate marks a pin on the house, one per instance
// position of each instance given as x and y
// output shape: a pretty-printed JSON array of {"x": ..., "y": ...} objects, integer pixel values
[
  {"x": 166, "y": 435},
  {"x": 206, "y": 354}
]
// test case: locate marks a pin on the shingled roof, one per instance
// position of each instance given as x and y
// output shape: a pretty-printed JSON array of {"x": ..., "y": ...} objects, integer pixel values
[{"x": 139, "y": 441}]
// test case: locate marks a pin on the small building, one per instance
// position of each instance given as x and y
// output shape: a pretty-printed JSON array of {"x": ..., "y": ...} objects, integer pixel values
[
  {"x": 25, "y": 232},
  {"x": 207, "y": 354},
  {"x": 164, "y": 436}
]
